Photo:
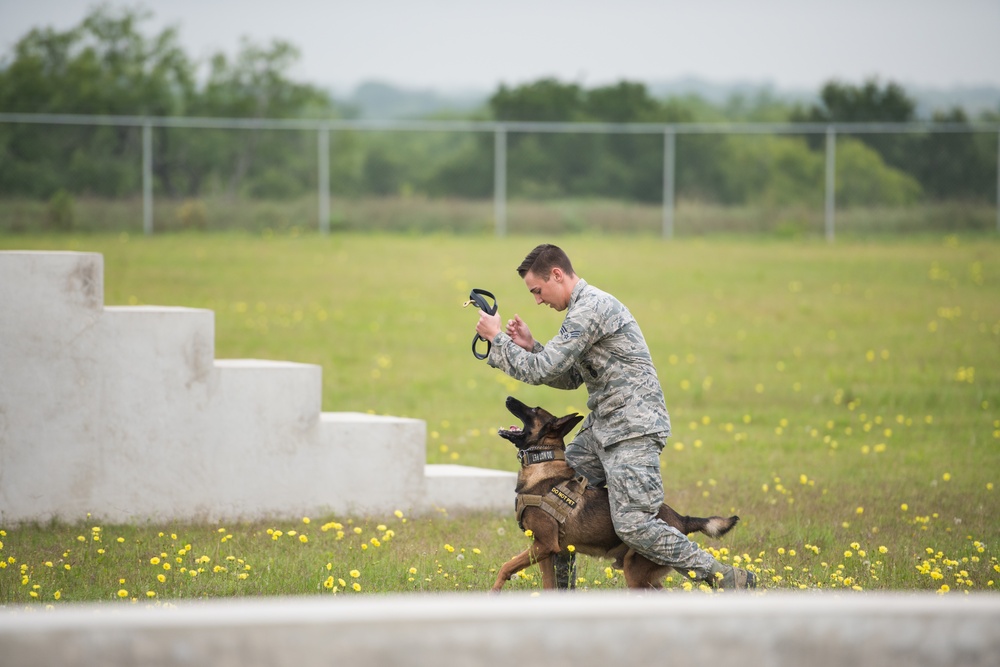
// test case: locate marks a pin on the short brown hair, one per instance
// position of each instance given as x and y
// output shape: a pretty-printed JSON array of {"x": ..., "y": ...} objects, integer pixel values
[{"x": 543, "y": 259}]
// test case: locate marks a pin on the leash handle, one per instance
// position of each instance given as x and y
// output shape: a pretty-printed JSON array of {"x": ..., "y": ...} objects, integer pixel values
[{"x": 482, "y": 299}]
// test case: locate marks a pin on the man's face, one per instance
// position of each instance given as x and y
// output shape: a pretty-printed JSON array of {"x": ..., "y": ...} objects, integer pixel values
[{"x": 551, "y": 292}]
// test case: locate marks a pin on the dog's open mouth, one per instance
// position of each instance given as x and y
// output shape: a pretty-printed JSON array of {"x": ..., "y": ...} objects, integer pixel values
[{"x": 514, "y": 433}]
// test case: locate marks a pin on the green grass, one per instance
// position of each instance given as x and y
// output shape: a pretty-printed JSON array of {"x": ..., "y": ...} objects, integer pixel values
[{"x": 814, "y": 390}]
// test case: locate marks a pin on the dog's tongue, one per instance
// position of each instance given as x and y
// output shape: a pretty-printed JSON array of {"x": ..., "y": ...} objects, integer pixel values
[{"x": 514, "y": 428}]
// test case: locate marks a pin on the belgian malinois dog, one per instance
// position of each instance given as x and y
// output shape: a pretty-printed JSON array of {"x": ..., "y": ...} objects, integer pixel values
[{"x": 578, "y": 514}]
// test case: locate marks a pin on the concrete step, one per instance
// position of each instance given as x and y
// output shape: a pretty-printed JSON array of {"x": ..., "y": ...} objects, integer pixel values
[{"x": 457, "y": 487}]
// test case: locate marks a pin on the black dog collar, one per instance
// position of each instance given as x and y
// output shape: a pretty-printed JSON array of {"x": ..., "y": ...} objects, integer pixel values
[{"x": 528, "y": 457}]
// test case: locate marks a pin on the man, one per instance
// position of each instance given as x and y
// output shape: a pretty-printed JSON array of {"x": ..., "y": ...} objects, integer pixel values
[{"x": 619, "y": 443}]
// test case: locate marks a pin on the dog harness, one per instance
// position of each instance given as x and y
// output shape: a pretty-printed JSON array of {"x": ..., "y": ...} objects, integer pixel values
[{"x": 561, "y": 500}]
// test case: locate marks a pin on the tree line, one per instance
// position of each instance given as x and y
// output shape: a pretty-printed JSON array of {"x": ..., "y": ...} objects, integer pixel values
[{"x": 108, "y": 66}]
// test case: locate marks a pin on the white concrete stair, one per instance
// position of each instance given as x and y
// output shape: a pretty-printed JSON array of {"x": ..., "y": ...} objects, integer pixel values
[{"x": 123, "y": 413}]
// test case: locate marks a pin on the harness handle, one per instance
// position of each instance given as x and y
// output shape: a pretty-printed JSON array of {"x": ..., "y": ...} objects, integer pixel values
[{"x": 482, "y": 299}]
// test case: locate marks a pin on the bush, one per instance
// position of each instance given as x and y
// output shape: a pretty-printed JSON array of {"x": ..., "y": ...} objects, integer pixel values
[
  {"x": 60, "y": 213},
  {"x": 191, "y": 215}
]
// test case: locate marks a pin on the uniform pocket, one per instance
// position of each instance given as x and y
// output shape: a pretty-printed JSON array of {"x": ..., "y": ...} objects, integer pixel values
[
  {"x": 611, "y": 424},
  {"x": 610, "y": 404},
  {"x": 637, "y": 488}
]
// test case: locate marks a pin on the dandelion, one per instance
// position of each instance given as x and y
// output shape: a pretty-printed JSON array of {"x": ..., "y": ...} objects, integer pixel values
[
  {"x": 451, "y": 549},
  {"x": 570, "y": 548},
  {"x": 398, "y": 514},
  {"x": 122, "y": 593},
  {"x": 356, "y": 586},
  {"x": 328, "y": 584},
  {"x": 161, "y": 578},
  {"x": 303, "y": 539},
  {"x": 528, "y": 533},
  {"x": 154, "y": 561},
  {"x": 355, "y": 574}
]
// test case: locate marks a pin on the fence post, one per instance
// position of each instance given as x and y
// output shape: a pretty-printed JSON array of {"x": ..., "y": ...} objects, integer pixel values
[
  {"x": 500, "y": 180},
  {"x": 323, "y": 155},
  {"x": 831, "y": 180},
  {"x": 147, "y": 178},
  {"x": 669, "y": 177}
]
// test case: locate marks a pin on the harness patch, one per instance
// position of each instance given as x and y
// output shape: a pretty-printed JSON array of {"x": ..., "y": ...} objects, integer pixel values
[
  {"x": 561, "y": 500},
  {"x": 563, "y": 496}
]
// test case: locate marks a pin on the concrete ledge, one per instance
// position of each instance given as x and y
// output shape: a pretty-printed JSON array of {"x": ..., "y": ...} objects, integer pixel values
[
  {"x": 456, "y": 487},
  {"x": 575, "y": 630}
]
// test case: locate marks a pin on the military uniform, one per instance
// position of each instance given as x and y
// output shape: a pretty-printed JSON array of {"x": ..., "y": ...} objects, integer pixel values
[{"x": 619, "y": 443}]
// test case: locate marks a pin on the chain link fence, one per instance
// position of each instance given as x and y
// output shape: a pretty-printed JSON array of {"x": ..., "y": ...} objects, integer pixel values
[{"x": 151, "y": 175}]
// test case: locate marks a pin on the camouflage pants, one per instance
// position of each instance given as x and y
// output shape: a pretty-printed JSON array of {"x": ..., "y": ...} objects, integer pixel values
[{"x": 631, "y": 470}]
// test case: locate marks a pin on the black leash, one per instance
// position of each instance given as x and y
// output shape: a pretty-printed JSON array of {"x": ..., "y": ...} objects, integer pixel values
[{"x": 482, "y": 298}]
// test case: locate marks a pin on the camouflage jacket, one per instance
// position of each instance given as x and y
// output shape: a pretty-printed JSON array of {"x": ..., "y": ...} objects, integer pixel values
[{"x": 600, "y": 345}]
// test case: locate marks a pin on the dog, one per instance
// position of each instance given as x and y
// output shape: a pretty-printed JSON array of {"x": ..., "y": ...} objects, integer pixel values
[{"x": 560, "y": 509}]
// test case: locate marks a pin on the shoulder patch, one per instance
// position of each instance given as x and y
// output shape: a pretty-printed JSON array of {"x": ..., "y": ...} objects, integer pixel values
[{"x": 567, "y": 333}]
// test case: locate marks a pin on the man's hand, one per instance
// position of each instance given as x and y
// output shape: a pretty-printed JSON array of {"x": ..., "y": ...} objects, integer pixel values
[
  {"x": 520, "y": 334},
  {"x": 488, "y": 326}
]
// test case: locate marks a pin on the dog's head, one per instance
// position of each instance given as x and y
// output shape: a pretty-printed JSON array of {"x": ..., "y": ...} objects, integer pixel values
[{"x": 539, "y": 429}]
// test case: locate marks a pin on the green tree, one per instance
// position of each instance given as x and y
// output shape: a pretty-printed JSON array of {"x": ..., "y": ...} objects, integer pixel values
[
  {"x": 255, "y": 84},
  {"x": 107, "y": 65},
  {"x": 953, "y": 165},
  {"x": 868, "y": 103},
  {"x": 957, "y": 165},
  {"x": 103, "y": 66}
]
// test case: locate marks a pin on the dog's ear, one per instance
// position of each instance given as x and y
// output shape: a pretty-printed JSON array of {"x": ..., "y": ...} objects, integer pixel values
[{"x": 562, "y": 426}]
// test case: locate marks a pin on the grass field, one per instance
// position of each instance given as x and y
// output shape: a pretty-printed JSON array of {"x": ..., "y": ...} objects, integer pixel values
[{"x": 843, "y": 399}]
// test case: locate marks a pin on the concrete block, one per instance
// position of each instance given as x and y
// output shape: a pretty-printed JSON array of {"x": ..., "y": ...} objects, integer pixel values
[
  {"x": 379, "y": 461},
  {"x": 456, "y": 488},
  {"x": 559, "y": 630}
]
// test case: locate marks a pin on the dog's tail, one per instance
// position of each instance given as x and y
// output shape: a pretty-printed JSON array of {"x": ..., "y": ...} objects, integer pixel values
[{"x": 713, "y": 526}]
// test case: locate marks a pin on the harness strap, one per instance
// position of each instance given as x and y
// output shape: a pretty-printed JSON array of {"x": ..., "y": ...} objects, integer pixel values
[{"x": 561, "y": 501}]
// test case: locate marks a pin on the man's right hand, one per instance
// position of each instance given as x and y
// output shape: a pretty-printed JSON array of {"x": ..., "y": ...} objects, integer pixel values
[{"x": 520, "y": 334}]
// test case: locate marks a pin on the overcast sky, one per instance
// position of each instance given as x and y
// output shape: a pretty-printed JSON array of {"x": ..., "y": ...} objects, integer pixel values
[{"x": 455, "y": 44}]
